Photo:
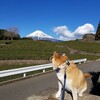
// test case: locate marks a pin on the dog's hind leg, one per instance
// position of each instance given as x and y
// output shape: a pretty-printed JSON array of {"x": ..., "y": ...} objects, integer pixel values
[{"x": 81, "y": 92}]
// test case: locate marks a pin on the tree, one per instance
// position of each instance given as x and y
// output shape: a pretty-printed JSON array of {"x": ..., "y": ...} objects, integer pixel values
[
  {"x": 4, "y": 34},
  {"x": 13, "y": 30},
  {"x": 13, "y": 33},
  {"x": 1, "y": 33},
  {"x": 97, "y": 35},
  {"x": 9, "y": 34}
]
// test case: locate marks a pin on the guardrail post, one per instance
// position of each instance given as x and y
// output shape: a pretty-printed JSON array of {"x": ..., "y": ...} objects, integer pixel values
[
  {"x": 44, "y": 71},
  {"x": 84, "y": 61},
  {"x": 79, "y": 62},
  {"x": 24, "y": 75}
]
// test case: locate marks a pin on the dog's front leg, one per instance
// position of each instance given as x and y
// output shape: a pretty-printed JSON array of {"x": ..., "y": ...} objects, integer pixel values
[
  {"x": 74, "y": 94},
  {"x": 58, "y": 94}
]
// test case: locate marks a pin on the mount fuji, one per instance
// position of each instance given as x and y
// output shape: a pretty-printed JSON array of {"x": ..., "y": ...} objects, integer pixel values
[{"x": 39, "y": 35}]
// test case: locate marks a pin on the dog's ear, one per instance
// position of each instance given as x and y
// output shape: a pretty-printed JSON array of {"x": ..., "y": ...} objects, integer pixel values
[
  {"x": 55, "y": 55},
  {"x": 63, "y": 54},
  {"x": 64, "y": 57}
]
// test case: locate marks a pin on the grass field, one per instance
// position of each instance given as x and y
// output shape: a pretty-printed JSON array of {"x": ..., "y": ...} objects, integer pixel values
[
  {"x": 23, "y": 53},
  {"x": 43, "y": 50},
  {"x": 28, "y": 49},
  {"x": 91, "y": 47}
]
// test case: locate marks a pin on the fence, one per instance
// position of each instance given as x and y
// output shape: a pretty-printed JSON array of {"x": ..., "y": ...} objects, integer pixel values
[{"x": 33, "y": 68}]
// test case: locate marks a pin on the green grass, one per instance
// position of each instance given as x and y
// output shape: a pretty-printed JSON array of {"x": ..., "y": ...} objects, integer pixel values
[
  {"x": 80, "y": 56},
  {"x": 4, "y": 79},
  {"x": 92, "y": 47},
  {"x": 42, "y": 50},
  {"x": 37, "y": 50},
  {"x": 28, "y": 49}
]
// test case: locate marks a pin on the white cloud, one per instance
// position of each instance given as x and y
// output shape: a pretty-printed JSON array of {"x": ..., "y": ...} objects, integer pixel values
[
  {"x": 86, "y": 28},
  {"x": 65, "y": 34},
  {"x": 63, "y": 31}
]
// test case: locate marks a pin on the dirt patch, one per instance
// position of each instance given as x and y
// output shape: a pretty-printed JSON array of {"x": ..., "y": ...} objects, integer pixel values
[
  {"x": 75, "y": 51},
  {"x": 67, "y": 97},
  {"x": 21, "y": 62},
  {"x": 34, "y": 97}
]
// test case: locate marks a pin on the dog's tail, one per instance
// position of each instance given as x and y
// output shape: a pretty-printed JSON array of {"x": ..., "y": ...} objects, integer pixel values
[
  {"x": 94, "y": 77},
  {"x": 88, "y": 75},
  {"x": 91, "y": 74}
]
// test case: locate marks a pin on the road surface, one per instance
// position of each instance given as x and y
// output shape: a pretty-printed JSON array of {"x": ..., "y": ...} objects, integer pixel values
[{"x": 20, "y": 90}]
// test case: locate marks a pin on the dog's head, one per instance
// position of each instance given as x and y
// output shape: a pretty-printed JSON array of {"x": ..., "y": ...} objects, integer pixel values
[{"x": 58, "y": 59}]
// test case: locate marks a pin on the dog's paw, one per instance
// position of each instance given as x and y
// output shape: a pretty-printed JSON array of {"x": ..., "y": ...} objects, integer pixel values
[
  {"x": 57, "y": 95},
  {"x": 80, "y": 94}
]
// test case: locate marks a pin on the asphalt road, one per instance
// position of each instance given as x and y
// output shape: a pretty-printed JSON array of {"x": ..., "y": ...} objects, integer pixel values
[{"x": 20, "y": 90}]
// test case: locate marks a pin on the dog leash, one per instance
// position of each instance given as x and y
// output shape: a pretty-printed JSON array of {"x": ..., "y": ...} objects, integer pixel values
[{"x": 63, "y": 87}]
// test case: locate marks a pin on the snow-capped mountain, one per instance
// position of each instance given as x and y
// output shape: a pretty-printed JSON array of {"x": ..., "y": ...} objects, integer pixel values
[{"x": 39, "y": 35}]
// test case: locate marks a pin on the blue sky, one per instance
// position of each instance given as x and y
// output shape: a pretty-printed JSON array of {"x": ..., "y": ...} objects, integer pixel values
[{"x": 63, "y": 19}]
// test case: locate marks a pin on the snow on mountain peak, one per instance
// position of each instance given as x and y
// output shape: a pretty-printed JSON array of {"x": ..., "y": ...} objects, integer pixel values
[{"x": 38, "y": 34}]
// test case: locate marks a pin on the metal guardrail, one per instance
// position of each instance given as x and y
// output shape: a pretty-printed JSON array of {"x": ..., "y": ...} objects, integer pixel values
[{"x": 24, "y": 70}]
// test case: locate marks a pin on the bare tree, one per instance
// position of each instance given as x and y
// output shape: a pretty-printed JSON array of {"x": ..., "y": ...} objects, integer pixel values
[{"x": 14, "y": 32}]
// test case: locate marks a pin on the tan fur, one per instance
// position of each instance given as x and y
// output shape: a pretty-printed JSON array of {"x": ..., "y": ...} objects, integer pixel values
[
  {"x": 76, "y": 75},
  {"x": 78, "y": 82},
  {"x": 59, "y": 59},
  {"x": 87, "y": 75}
]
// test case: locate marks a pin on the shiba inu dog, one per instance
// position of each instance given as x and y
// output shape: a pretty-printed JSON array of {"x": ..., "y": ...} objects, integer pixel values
[{"x": 75, "y": 79}]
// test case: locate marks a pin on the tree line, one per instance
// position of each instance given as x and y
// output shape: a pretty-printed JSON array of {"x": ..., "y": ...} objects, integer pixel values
[{"x": 9, "y": 34}]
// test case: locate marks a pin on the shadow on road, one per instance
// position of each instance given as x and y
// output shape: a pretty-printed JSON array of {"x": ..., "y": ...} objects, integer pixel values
[{"x": 96, "y": 83}]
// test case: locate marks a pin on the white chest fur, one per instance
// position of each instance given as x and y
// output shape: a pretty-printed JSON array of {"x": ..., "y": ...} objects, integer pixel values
[{"x": 68, "y": 82}]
